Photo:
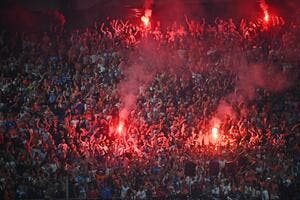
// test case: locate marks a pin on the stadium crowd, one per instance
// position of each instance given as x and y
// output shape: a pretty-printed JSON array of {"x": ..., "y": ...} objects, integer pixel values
[{"x": 61, "y": 100}]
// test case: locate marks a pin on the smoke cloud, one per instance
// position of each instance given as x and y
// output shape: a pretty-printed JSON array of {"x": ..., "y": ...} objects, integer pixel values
[
  {"x": 249, "y": 78},
  {"x": 144, "y": 62},
  {"x": 139, "y": 70},
  {"x": 148, "y": 4},
  {"x": 263, "y": 5}
]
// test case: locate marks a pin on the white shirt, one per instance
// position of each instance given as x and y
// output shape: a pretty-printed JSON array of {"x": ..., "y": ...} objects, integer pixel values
[
  {"x": 265, "y": 195},
  {"x": 216, "y": 191},
  {"x": 227, "y": 189},
  {"x": 141, "y": 194},
  {"x": 124, "y": 191}
]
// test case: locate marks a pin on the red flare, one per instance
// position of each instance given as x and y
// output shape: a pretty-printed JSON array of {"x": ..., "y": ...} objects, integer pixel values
[
  {"x": 146, "y": 17},
  {"x": 145, "y": 20},
  {"x": 215, "y": 132},
  {"x": 265, "y": 8},
  {"x": 120, "y": 127},
  {"x": 267, "y": 16}
]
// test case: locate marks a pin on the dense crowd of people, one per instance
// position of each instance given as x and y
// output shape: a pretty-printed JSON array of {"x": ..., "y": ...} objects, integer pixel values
[{"x": 62, "y": 94}]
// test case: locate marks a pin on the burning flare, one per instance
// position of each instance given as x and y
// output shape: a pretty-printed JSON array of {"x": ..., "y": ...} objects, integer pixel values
[
  {"x": 145, "y": 20},
  {"x": 215, "y": 132},
  {"x": 267, "y": 16},
  {"x": 120, "y": 127},
  {"x": 265, "y": 8},
  {"x": 146, "y": 17}
]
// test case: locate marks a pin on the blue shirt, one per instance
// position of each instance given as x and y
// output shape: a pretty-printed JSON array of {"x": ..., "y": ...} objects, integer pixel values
[{"x": 106, "y": 193}]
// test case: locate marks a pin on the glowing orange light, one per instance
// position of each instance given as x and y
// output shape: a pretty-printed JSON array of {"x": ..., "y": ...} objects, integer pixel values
[
  {"x": 120, "y": 127},
  {"x": 145, "y": 20},
  {"x": 146, "y": 17},
  {"x": 215, "y": 132},
  {"x": 267, "y": 16}
]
